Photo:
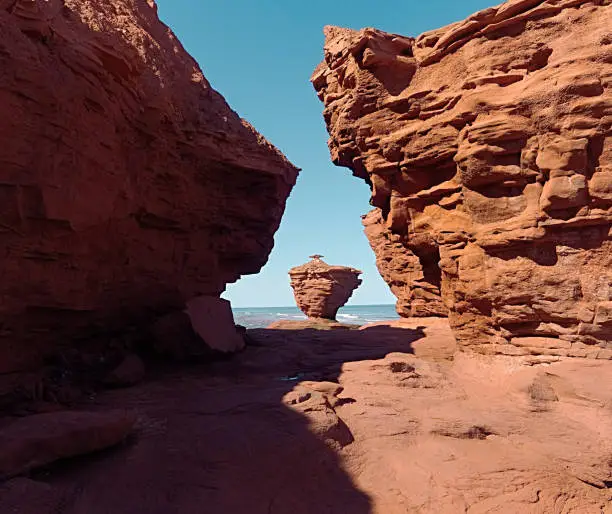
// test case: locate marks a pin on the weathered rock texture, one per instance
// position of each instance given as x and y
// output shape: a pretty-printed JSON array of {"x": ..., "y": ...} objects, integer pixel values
[
  {"x": 127, "y": 184},
  {"x": 487, "y": 148},
  {"x": 383, "y": 420},
  {"x": 320, "y": 289}
]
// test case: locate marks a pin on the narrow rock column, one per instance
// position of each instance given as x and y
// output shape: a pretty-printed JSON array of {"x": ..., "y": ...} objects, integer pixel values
[{"x": 320, "y": 289}]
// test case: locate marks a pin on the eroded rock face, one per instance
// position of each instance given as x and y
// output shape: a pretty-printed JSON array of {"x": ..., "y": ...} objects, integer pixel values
[
  {"x": 320, "y": 289},
  {"x": 414, "y": 279},
  {"x": 127, "y": 184},
  {"x": 487, "y": 148}
]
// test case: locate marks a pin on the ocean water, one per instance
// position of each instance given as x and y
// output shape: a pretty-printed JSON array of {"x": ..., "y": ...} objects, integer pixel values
[{"x": 261, "y": 317}]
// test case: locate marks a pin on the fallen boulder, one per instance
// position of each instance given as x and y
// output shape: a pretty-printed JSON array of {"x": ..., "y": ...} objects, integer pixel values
[
  {"x": 212, "y": 319},
  {"x": 41, "y": 439}
]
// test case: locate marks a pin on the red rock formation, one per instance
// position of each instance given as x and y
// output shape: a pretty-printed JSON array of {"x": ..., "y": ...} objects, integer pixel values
[
  {"x": 127, "y": 184},
  {"x": 320, "y": 289},
  {"x": 414, "y": 279},
  {"x": 213, "y": 321},
  {"x": 487, "y": 147}
]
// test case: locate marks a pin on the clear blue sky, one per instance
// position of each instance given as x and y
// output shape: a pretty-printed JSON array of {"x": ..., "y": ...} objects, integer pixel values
[{"x": 259, "y": 54}]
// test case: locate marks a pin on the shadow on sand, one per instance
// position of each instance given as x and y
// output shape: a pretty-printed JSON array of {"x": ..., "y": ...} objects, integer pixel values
[{"x": 217, "y": 439}]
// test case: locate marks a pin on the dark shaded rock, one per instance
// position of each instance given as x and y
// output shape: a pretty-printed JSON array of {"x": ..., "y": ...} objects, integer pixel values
[
  {"x": 173, "y": 337},
  {"x": 38, "y": 440},
  {"x": 129, "y": 372},
  {"x": 127, "y": 185},
  {"x": 25, "y": 496}
]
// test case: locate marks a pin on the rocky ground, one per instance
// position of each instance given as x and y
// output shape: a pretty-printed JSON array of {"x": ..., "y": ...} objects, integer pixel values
[{"x": 387, "y": 419}]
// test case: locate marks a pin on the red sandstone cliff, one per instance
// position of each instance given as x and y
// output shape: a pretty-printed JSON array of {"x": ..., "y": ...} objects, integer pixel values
[
  {"x": 127, "y": 184},
  {"x": 487, "y": 147}
]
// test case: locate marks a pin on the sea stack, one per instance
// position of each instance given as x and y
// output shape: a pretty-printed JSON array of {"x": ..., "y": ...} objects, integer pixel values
[{"x": 320, "y": 289}]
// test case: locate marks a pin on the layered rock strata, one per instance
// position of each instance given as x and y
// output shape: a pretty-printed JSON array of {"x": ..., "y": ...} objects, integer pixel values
[
  {"x": 127, "y": 184},
  {"x": 487, "y": 148},
  {"x": 320, "y": 289}
]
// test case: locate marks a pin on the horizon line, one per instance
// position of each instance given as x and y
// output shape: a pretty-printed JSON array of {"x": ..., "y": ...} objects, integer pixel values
[{"x": 285, "y": 306}]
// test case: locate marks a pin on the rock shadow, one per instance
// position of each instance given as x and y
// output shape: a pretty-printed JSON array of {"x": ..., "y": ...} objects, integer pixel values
[
  {"x": 319, "y": 354},
  {"x": 218, "y": 438}
]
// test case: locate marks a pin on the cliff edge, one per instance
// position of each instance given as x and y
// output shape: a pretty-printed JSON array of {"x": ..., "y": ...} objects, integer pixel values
[
  {"x": 487, "y": 148},
  {"x": 127, "y": 184}
]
